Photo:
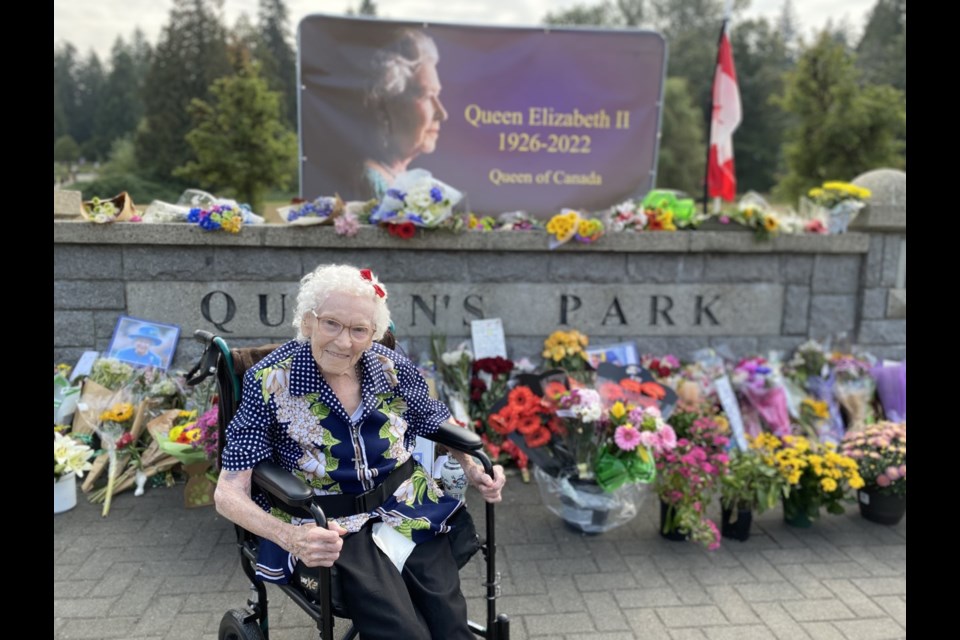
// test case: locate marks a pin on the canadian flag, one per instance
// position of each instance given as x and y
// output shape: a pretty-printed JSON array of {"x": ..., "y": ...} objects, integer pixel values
[{"x": 721, "y": 176}]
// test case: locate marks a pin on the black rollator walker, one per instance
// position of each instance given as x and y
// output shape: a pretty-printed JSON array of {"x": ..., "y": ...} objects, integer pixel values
[{"x": 315, "y": 590}]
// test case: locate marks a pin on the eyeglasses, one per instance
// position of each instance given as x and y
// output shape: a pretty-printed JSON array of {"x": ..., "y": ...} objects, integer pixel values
[{"x": 332, "y": 329}]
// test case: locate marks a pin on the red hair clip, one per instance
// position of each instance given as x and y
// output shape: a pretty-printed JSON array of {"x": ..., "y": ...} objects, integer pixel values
[
  {"x": 380, "y": 292},
  {"x": 366, "y": 274}
]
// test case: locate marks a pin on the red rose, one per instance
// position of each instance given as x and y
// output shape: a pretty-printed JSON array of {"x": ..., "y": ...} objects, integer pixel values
[{"x": 406, "y": 230}]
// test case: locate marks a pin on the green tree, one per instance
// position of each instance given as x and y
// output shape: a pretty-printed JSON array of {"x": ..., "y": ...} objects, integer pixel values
[
  {"x": 239, "y": 142},
  {"x": 121, "y": 105},
  {"x": 277, "y": 57},
  {"x": 90, "y": 82},
  {"x": 64, "y": 89},
  {"x": 882, "y": 51},
  {"x": 622, "y": 13},
  {"x": 191, "y": 54},
  {"x": 840, "y": 129},
  {"x": 66, "y": 151},
  {"x": 681, "y": 163},
  {"x": 762, "y": 58}
]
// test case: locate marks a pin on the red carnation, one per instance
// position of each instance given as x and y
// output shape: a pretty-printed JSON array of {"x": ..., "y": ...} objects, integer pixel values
[{"x": 405, "y": 230}]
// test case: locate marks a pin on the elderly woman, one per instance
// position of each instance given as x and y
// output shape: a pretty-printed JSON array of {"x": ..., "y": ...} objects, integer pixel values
[
  {"x": 341, "y": 412},
  {"x": 405, "y": 102}
]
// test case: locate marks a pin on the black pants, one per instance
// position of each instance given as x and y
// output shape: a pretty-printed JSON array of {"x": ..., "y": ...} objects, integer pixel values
[{"x": 423, "y": 602}]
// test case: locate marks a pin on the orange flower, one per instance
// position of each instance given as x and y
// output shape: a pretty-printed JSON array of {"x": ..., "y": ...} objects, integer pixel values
[
  {"x": 554, "y": 390},
  {"x": 501, "y": 424},
  {"x": 523, "y": 400},
  {"x": 653, "y": 390},
  {"x": 634, "y": 386},
  {"x": 538, "y": 438},
  {"x": 611, "y": 391},
  {"x": 527, "y": 424}
]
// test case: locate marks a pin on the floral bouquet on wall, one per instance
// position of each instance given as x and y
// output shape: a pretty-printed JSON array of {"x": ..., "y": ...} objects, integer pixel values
[
  {"x": 322, "y": 210},
  {"x": 416, "y": 199},
  {"x": 841, "y": 201},
  {"x": 570, "y": 225}
]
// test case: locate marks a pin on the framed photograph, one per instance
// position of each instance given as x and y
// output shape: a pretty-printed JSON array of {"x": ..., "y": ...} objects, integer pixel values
[
  {"x": 144, "y": 343},
  {"x": 620, "y": 354}
]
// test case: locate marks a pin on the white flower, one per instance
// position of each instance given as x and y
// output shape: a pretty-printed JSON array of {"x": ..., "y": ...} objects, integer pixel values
[
  {"x": 420, "y": 196},
  {"x": 627, "y": 207}
]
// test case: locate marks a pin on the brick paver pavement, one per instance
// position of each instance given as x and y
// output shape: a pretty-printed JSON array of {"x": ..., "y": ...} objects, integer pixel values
[{"x": 154, "y": 570}]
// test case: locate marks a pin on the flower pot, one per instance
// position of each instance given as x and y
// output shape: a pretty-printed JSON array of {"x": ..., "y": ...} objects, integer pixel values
[
  {"x": 738, "y": 527},
  {"x": 64, "y": 493},
  {"x": 880, "y": 508},
  {"x": 588, "y": 515},
  {"x": 670, "y": 534},
  {"x": 584, "y": 506},
  {"x": 795, "y": 513}
]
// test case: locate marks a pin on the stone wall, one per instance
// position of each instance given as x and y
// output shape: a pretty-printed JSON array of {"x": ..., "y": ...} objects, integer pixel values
[{"x": 669, "y": 292}]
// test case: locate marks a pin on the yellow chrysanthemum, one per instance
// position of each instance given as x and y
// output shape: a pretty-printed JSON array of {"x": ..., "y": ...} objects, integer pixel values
[
  {"x": 770, "y": 223},
  {"x": 828, "y": 484},
  {"x": 175, "y": 433}
]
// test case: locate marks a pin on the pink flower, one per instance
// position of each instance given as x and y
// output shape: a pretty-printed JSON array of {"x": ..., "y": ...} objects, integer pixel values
[
  {"x": 626, "y": 437},
  {"x": 724, "y": 219},
  {"x": 697, "y": 506},
  {"x": 903, "y": 471},
  {"x": 883, "y": 481},
  {"x": 347, "y": 225},
  {"x": 668, "y": 437},
  {"x": 893, "y": 473},
  {"x": 647, "y": 438}
]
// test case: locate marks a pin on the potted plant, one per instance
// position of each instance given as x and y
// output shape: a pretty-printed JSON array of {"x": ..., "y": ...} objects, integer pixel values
[
  {"x": 816, "y": 475},
  {"x": 70, "y": 459},
  {"x": 881, "y": 453},
  {"x": 751, "y": 484},
  {"x": 688, "y": 477}
]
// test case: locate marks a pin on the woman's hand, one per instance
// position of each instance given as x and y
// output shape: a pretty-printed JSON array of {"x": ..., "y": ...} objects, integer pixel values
[
  {"x": 316, "y": 546},
  {"x": 488, "y": 487}
]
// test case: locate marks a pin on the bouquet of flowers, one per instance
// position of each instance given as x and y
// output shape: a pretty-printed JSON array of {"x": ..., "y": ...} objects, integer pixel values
[
  {"x": 487, "y": 385},
  {"x": 226, "y": 217},
  {"x": 881, "y": 454},
  {"x": 416, "y": 199},
  {"x": 841, "y": 200},
  {"x": 816, "y": 474},
  {"x": 854, "y": 389},
  {"x": 322, "y": 210},
  {"x": 70, "y": 456},
  {"x": 565, "y": 350},
  {"x": 454, "y": 369},
  {"x": 892, "y": 389},
  {"x": 754, "y": 212},
  {"x": 765, "y": 401},
  {"x": 570, "y": 225}
]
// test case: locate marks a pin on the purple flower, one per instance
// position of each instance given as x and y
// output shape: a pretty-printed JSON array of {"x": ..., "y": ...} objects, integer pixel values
[{"x": 436, "y": 194}]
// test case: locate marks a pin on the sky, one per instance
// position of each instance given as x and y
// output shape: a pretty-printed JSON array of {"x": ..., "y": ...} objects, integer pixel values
[{"x": 95, "y": 24}]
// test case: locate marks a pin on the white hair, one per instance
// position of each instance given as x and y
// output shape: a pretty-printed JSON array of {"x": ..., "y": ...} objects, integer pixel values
[
  {"x": 396, "y": 64},
  {"x": 328, "y": 279}
]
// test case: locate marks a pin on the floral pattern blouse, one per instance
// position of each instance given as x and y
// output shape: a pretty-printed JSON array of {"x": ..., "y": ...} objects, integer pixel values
[{"x": 288, "y": 413}]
